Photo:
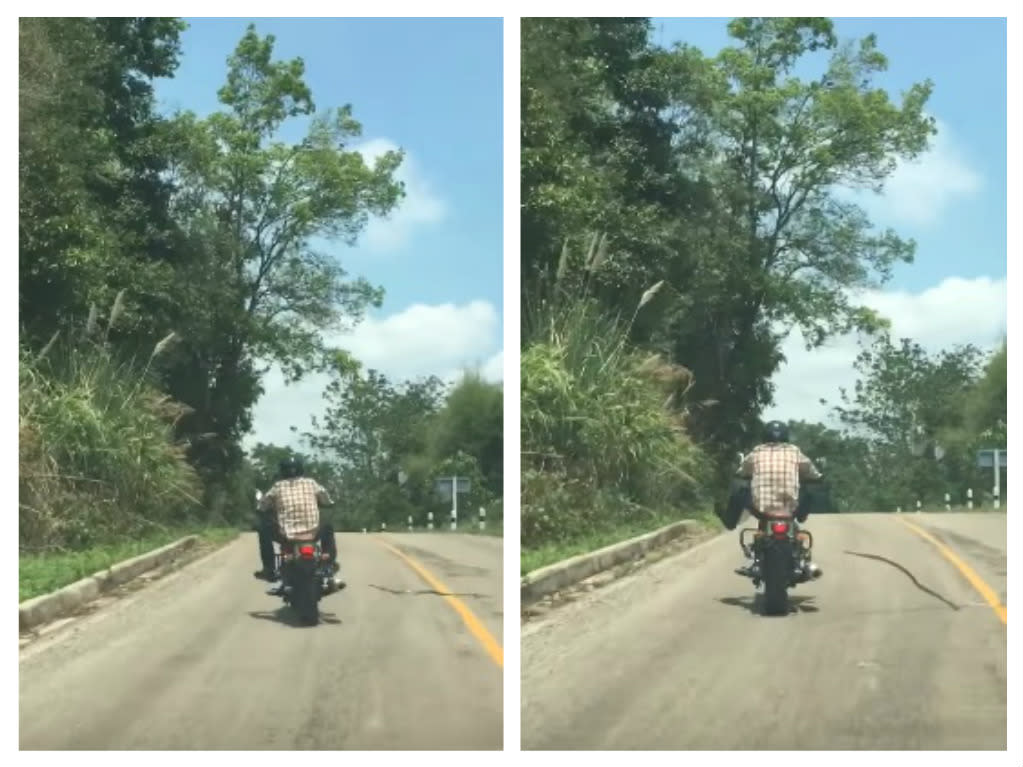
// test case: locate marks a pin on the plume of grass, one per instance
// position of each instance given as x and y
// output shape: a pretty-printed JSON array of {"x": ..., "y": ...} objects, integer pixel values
[
  {"x": 97, "y": 456},
  {"x": 601, "y": 438},
  {"x": 115, "y": 314}
]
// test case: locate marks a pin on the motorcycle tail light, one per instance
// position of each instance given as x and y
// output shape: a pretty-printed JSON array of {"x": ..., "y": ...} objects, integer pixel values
[
  {"x": 307, "y": 552},
  {"x": 779, "y": 528}
]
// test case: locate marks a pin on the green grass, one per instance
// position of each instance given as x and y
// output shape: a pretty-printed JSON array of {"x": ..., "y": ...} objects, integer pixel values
[
  {"x": 549, "y": 553},
  {"x": 97, "y": 457},
  {"x": 42, "y": 573}
]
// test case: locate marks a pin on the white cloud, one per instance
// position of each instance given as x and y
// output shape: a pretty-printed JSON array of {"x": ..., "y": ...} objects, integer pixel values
[
  {"x": 420, "y": 340},
  {"x": 421, "y": 206},
  {"x": 493, "y": 368},
  {"x": 922, "y": 191},
  {"x": 957, "y": 311}
]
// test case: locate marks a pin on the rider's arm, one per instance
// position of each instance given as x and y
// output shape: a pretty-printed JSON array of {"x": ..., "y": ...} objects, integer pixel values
[
  {"x": 266, "y": 503},
  {"x": 746, "y": 467},
  {"x": 806, "y": 468},
  {"x": 322, "y": 496}
]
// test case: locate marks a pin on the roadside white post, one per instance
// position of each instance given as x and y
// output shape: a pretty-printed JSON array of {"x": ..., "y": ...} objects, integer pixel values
[
  {"x": 383, "y": 527},
  {"x": 918, "y": 505},
  {"x": 410, "y": 524},
  {"x": 898, "y": 509},
  {"x": 969, "y": 498},
  {"x": 948, "y": 502},
  {"x": 454, "y": 503},
  {"x": 364, "y": 530},
  {"x": 998, "y": 479},
  {"x": 429, "y": 520},
  {"x": 483, "y": 518}
]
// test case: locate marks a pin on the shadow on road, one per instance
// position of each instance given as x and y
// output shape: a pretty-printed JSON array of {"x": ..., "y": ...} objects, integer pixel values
[
  {"x": 907, "y": 573},
  {"x": 288, "y": 617},
  {"x": 797, "y": 604}
]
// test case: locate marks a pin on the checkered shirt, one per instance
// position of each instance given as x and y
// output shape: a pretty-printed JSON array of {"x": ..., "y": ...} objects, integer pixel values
[
  {"x": 296, "y": 506},
  {"x": 775, "y": 470}
]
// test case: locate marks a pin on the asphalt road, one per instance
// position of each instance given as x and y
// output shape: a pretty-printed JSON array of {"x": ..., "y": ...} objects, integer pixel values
[
  {"x": 892, "y": 649},
  {"x": 203, "y": 659}
]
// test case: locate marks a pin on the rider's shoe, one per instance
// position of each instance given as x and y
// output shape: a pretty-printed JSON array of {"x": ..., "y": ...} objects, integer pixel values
[
  {"x": 264, "y": 575},
  {"x": 813, "y": 570},
  {"x": 752, "y": 570},
  {"x": 275, "y": 589}
]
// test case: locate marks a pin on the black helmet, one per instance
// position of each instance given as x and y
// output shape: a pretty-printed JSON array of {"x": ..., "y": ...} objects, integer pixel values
[
  {"x": 776, "y": 431},
  {"x": 291, "y": 467}
]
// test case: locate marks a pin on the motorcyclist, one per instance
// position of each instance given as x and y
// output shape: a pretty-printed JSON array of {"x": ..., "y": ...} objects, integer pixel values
[
  {"x": 291, "y": 512},
  {"x": 775, "y": 469}
]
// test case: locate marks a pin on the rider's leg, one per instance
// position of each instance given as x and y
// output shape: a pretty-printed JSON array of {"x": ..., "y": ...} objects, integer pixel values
[
  {"x": 266, "y": 548},
  {"x": 276, "y": 581},
  {"x": 328, "y": 541},
  {"x": 752, "y": 568}
]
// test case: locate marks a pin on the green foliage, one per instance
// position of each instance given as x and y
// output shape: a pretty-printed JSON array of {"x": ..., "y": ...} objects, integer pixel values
[
  {"x": 97, "y": 459},
  {"x": 912, "y": 426},
  {"x": 387, "y": 443},
  {"x": 203, "y": 226},
  {"x": 471, "y": 423},
  {"x": 43, "y": 573},
  {"x": 724, "y": 176},
  {"x": 602, "y": 432}
]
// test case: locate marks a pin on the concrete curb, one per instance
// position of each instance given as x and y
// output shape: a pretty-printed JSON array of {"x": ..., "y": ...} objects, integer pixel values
[
  {"x": 547, "y": 580},
  {"x": 47, "y": 607}
]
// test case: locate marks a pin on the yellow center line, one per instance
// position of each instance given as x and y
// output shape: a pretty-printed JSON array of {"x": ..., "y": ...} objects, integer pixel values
[
  {"x": 967, "y": 572},
  {"x": 474, "y": 624}
]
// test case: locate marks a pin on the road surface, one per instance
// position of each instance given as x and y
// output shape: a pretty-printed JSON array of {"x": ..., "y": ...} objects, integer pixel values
[
  {"x": 892, "y": 649},
  {"x": 203, "y": 659}
]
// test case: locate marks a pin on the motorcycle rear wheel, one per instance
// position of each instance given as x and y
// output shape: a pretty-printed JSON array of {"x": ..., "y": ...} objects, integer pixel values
[{"x": 776, "y": 581}]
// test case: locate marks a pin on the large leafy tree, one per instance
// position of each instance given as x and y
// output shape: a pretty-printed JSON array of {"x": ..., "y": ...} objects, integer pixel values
[
  {"x": 793, "y": 245},
  {"x": 256, "y": 208},
  {"x": 93, "y": 198},
  {"x": 726, "y": 177},
  {"x": 373, "y": 431},
  {"x": 910, "y": 407}
]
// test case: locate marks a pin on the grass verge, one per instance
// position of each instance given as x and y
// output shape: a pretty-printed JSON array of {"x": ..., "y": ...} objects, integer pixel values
[
  {"x": 556, "y": 551},
  {"x": 42, "y": 573}
]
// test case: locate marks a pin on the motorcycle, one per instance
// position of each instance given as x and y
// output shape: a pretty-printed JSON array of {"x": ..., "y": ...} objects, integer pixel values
[
  {"x": 306, "y": 575},
  {"x": 780, "y": 548},
  {"x": 780, "y": 551}
]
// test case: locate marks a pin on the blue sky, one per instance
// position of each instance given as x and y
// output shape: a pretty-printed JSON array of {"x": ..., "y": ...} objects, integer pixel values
[
  {"x": 434, "y": 88},
  {"x": 952, "y": 201}
]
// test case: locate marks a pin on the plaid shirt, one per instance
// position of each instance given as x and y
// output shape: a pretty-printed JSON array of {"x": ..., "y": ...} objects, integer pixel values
[
  {"x": 296, "y": 505},
  {"x": 775, "y": 470}
]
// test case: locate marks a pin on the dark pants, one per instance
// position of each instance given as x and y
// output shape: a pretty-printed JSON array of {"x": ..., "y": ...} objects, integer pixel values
[{"x": 269, "y": 532}]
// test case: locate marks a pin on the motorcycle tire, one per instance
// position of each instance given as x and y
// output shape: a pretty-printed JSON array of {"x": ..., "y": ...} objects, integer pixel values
[{"x": 776, "y": 566}]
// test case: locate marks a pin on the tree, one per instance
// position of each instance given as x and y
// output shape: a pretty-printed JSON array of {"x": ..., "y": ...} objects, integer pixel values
[
  {"x": 598, "y": 145},
  {"x": 374, "y": 432},
  {"x": 472, "y": 422},
  {"x": 254, "y": 206},
  {"x": 906, "y": 404},
  {"x": 93, "y": 199},
  {"x": 793, "y": 245}
]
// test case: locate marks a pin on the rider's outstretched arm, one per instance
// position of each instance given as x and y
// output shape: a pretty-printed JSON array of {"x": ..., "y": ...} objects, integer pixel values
[
  {"x": 322, "y": 496},
  {"x": 746, "y": 467},
  {"x": 806, "y": 468}
]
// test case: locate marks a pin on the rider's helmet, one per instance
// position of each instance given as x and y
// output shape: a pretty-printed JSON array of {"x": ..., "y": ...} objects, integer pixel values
[
  {"x": 291, "y": 467},
  {"x": 775, "y": 432}
]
